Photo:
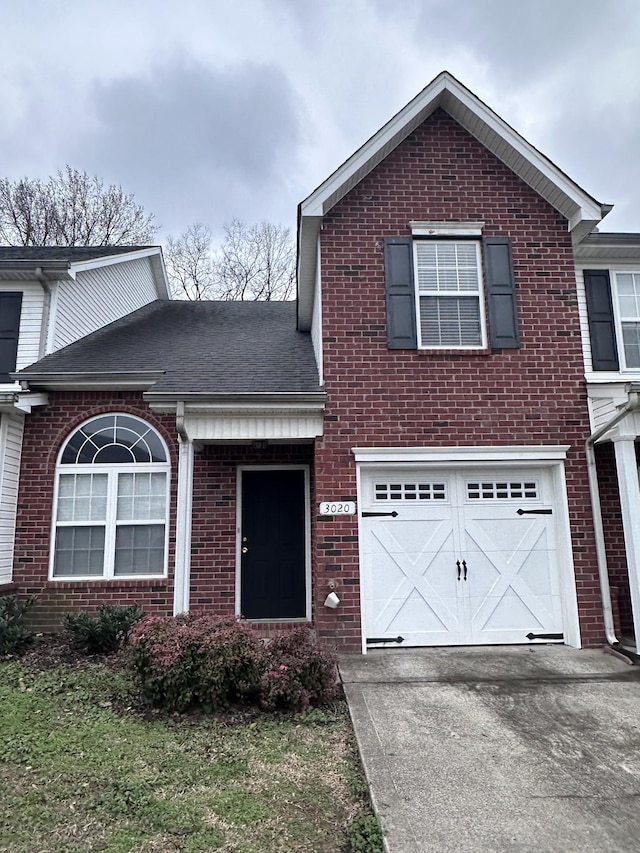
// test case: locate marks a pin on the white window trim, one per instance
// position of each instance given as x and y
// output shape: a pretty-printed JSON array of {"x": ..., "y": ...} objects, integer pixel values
[
  {"x": 110, "y": 523},
  {"x": 617, "y": 316},
  {"x": 478, "y": 294}
]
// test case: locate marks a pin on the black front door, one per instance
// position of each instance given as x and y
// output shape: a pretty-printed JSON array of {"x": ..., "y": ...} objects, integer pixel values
[{"x": 273, "y": 558}]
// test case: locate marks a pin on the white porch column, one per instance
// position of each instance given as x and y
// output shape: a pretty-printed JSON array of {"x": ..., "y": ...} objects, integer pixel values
[
  {"x": 629, "y": 487},
  {"x": 182, "y": 577}
]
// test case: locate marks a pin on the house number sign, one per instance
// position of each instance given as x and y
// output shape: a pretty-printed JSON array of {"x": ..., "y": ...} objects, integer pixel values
[{"x": 337, "y": 508}]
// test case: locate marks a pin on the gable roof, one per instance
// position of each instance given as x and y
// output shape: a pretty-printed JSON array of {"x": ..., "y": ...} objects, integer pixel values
[
  {"x": 581, "y": 210},
  {"x": 178, "y": 349},
  {"x": 20, "y": 263}
]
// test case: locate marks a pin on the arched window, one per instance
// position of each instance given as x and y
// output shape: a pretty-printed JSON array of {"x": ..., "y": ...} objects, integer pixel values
[{"x": 111, "y": 503}]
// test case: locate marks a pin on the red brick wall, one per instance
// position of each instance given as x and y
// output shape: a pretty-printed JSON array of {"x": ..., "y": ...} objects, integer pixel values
[
  {"x": 377, "y": 397},
  {"x": 45, "y": 431},
  {"x": 214, "y": 515}
]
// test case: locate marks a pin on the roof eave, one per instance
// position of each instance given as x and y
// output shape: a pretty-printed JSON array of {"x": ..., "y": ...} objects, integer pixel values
[{"x": 129, "y": 380}]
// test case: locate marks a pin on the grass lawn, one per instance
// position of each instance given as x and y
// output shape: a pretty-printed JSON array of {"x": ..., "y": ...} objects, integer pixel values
[{"x": 84, "y": 767}]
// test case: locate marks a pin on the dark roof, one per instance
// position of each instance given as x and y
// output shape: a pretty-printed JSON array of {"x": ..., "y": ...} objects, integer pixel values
[
  {"x": 211, "y": 347},
  {"x": 70, "y": 254},
  {"x": 612, "y": 239}
]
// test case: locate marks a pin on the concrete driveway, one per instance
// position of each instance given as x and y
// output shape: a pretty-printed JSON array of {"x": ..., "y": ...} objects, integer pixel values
[{"x": 499, "y": 748}]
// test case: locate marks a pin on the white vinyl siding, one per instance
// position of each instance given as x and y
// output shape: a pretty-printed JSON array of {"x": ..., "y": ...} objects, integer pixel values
[
  {"x": 99, "y": 296},
  {"x": 449, "y": 294},
  {"x": 10, "y": 447},
  {"x": 30, "y": 320}
]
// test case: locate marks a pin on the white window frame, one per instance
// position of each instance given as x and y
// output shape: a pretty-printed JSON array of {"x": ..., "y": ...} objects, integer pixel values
[
  {"x": 110, "y": 523},
  {"x": 618, "y": 319},
  {"x": 477, "y": 294}
]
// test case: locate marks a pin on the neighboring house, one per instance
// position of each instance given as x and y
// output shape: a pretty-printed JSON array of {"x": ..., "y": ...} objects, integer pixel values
[
  {"x": 409, "y": 435},
  {"x": 608, "y": 281},
  {"x": 50, "y": 297}
]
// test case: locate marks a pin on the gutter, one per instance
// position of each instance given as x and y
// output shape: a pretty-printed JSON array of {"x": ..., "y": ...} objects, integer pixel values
[{"x": 632, "y": 405}]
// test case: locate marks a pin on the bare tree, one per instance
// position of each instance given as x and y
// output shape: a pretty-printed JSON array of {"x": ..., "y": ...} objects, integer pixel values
[
  {"x": 253, "y": 262},
  {"x": 190, "y": 264},
  {"x": 71, "y": 208}
]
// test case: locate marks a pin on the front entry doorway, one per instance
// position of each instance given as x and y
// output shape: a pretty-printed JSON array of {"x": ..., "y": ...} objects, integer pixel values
[{"x": 273, "y": 543}]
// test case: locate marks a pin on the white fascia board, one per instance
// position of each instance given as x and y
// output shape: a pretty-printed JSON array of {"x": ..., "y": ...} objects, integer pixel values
[
  {"x": 108, "y": 260},
  {"x": 524, "y": 454},
  {"x": 28, "y": 401},
  {"x": 125, "y": 380},
  {"x": 195, "y": 403}
]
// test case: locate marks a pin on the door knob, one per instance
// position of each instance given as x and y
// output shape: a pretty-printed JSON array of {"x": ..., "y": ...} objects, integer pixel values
[{"x": 244, "y": 550}]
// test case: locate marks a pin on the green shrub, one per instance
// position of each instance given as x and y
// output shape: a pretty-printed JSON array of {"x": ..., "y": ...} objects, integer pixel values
[
  {"x": 299, "y": 673},
  {"x": 365, "y": 834},
  {"x": 103, "y": 633},
  {"x": 13, "y": 634},
  {"x": 196, "y": 660}
]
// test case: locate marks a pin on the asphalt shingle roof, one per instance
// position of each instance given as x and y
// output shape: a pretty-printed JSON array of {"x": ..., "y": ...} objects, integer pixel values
[
  {"x": 63, "y": 253},
  {"x": 211, "y": 347}
]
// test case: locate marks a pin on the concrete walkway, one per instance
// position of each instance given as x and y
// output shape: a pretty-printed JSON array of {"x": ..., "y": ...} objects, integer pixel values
[{"x": 499, "y": 748}]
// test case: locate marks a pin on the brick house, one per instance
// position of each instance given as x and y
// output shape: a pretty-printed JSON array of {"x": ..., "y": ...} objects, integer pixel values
[{"x": 409, "y": 435}]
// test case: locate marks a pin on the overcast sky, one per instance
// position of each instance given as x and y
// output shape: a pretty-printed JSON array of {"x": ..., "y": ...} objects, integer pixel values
[{"x": 212, "y": 109}]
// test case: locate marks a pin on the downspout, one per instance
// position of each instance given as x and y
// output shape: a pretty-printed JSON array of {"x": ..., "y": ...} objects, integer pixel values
[
  {"x": 183, "y": 519},
  {"x": 46, "y": 310},
  {"x": 632, "y": 405}
]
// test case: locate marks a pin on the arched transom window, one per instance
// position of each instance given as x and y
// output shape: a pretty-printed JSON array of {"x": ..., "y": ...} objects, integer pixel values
[{"x": 112, "y": 482}]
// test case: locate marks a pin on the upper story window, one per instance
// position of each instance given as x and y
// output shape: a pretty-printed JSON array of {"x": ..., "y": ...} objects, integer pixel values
[
  {"x": 627, "y": 289},
  {"x": 447, "y": 289},
  {"x": 111, "y": 502},
  {"x": 613, "y": 310},
  {"x": 449, "y": 293},
  {"x": 10, "y": 309}
]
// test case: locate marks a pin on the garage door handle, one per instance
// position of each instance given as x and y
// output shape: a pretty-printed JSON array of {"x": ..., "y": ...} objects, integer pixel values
[
  {"x": 458, "y": 565},
  {"x": 464, "y": 566},
  {"x": 393, "y": 514},
  {"x": 535, "y": 512}
]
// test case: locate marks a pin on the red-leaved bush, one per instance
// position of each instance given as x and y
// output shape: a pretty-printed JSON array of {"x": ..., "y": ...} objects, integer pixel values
[
  {"x": 299, "y": 673},
  {"x": 196, "y": 660}
]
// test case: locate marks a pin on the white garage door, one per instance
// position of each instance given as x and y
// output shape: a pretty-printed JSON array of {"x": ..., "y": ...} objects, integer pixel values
[{"x": 459, "y": 557}]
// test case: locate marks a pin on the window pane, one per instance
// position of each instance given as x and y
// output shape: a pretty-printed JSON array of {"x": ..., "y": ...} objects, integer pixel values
[
  {"x": 629, "y": 295},
  {"x": 631, "y": 340},
  {"x": 447, "y": 267},
  {"x": 79, "y": 551},
  {"x": 140, "y": 550},
  {"x": 82, "y": 497},
  {"x": 114, "y": 439},
  {"x": 450, "y": 321},
  {"x": 141, "y": 496}
]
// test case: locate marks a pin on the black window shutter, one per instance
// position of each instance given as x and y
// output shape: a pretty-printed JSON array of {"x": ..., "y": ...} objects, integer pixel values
[
  {"x": 501, "y": 293},
  {"x": 401, "y": 303},
  {"x": 602, "y": 328},
  {"x": 10, "y": 307}
]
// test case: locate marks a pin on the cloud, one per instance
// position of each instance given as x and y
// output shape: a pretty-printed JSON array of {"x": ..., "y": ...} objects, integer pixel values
[{"x": 195, "y": 142}]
